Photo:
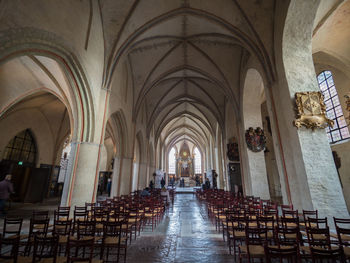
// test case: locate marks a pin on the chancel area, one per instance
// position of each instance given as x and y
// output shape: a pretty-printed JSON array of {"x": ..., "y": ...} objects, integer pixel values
[{"x": 174, "y": 130}]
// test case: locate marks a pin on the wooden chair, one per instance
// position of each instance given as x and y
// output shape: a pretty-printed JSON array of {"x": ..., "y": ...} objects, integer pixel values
[
  {"x": 79, "y": 214},
  {"x": 37, "y": 226},
  {"x": 317, "y": 237},
  {"x": 9, "y": 249},
  {"x": 113, "y": 238},
  {"x": 45, "y": 249},
  {"x": 62, "y": 228},
  {"x": 81, "y": 250},
  {"x": 343, "y": 233},
  {"x": 235, "y": 232},
  {"x": 255, "y": 240},
  {"x": 269, "y": 223},
  {"x": 287, "y": 236}
]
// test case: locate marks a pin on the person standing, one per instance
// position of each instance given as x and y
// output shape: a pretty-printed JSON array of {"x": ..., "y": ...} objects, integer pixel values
[
  {"x": 151, "y": 185},
  {"x": 6, "y": 188},
  {"x": 109, "y": 186},
  {"x": 162, "y": 182},
  {"x": 207, "y": 184}
]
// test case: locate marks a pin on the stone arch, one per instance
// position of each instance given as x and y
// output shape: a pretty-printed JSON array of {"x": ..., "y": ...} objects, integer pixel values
[{"x": 31, "y": 41}]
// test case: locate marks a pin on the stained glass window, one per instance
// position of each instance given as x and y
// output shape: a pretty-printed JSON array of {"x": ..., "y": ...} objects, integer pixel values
[
  {"x": 334, "y": 111},
  {"x": 197, "y": 161},
  {"x": 172, "y": 161},
  {"x": 21, "y": 148}
]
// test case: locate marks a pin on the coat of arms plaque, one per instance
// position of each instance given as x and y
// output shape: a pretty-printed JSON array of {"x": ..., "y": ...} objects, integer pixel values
[{"x": 255, "y": 139}]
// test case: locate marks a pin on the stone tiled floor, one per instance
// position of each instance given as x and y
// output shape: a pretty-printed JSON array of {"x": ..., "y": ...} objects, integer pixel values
[{"x": 185, "y": 235}]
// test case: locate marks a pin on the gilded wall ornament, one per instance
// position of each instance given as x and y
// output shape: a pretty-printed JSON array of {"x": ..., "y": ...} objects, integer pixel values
[
  {"x": 311, "y": 110},
  {"x": 255, "y": 139}
]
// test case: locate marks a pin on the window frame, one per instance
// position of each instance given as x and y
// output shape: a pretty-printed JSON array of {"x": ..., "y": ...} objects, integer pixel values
[
  {"x": 22, "y": 147},
  {"x": 174, "y": 158},
  {"x": 334, "y": 109},
  {"x": 196, "y": 165}
]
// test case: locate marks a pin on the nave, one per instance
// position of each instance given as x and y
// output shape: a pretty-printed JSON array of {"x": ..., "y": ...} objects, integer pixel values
[{"x": 185, "y": 235}]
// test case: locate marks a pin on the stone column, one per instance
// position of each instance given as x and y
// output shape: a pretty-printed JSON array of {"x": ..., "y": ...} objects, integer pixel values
[
  {"x": 115, "y": 176},
  {"x": 80, "y": 188},
  {"x": 142, "y": 176},
  {"x": 125, "y": 173}
]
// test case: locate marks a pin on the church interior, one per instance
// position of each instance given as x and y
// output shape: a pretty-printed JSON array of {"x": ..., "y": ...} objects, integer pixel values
[{"x": 232, "y": 108}]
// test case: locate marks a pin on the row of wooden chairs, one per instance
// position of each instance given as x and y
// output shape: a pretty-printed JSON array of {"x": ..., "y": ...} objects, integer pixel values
[
  {"x": 110, "y": 225},
  {"x": 257, "y": 228}
]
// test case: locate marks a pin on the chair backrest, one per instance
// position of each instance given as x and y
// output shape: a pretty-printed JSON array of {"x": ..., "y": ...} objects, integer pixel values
[
  {"x": 318, "y": 237},
  {"x": 289, "y": 222},
  {"x": 40, "y": 214},
  {"x": 289, "y": 253},
  {"x": 286, "y": 207},
  {"x": 113, "y": 229},
  {"x": 80, "y": 214},
  {"x": 80, "y": 250},
  {"x": 290, "y": 213},
  {"x": 267, "y": 222},
  {"x": 12, "y": 226},
  {"x": 38, "y": 226},
  {"x": 45, "y": 247},
  {"x": 319, "y": 254},
  {"x": 271, "y": 212},
  {"x": 61, "y": 215},
  {"x": 343, "y": 236},
  {"x": 342, "y": 226},
  {"x": 63, "y": 209},
  {"x": 317, "y": 222},
  {"x": 342, "y": 222},
  {"x": 288, "y": 236},
  {"x": 86, "y": 229},
  {"x": 255, "y": 236},
  {"x": 62, "y": 228},
  {"x": 310, "y": 213},
  {"x": 9, "y": 248}
]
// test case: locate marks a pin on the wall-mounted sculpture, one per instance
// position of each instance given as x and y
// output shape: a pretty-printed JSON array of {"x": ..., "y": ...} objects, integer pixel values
[
  {"x": 311, "y": 110},
  {"x": 255, "y": 139}
]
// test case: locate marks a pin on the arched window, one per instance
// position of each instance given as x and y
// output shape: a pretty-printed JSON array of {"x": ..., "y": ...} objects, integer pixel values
[
  {"x": 21, "y": 148},
  {"x": 172, "y": 161},
  {"x": 197, "y": 161},
  {"x": 340, "y": 130}
]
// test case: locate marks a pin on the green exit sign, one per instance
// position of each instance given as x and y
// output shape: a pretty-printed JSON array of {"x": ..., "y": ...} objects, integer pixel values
[{"x": 20, "y": 163}]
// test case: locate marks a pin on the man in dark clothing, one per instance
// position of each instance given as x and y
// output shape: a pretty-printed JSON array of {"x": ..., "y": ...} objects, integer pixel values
[
  {"x": 207, "y": 184},
  {"x": 162, "y": 182},
  {"x": 6, "y": 189},
  {"x": 151, "y": 185}
]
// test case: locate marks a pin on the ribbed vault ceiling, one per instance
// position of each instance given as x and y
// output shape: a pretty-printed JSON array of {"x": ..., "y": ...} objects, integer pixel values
[{"x": 185, "y": 59}]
